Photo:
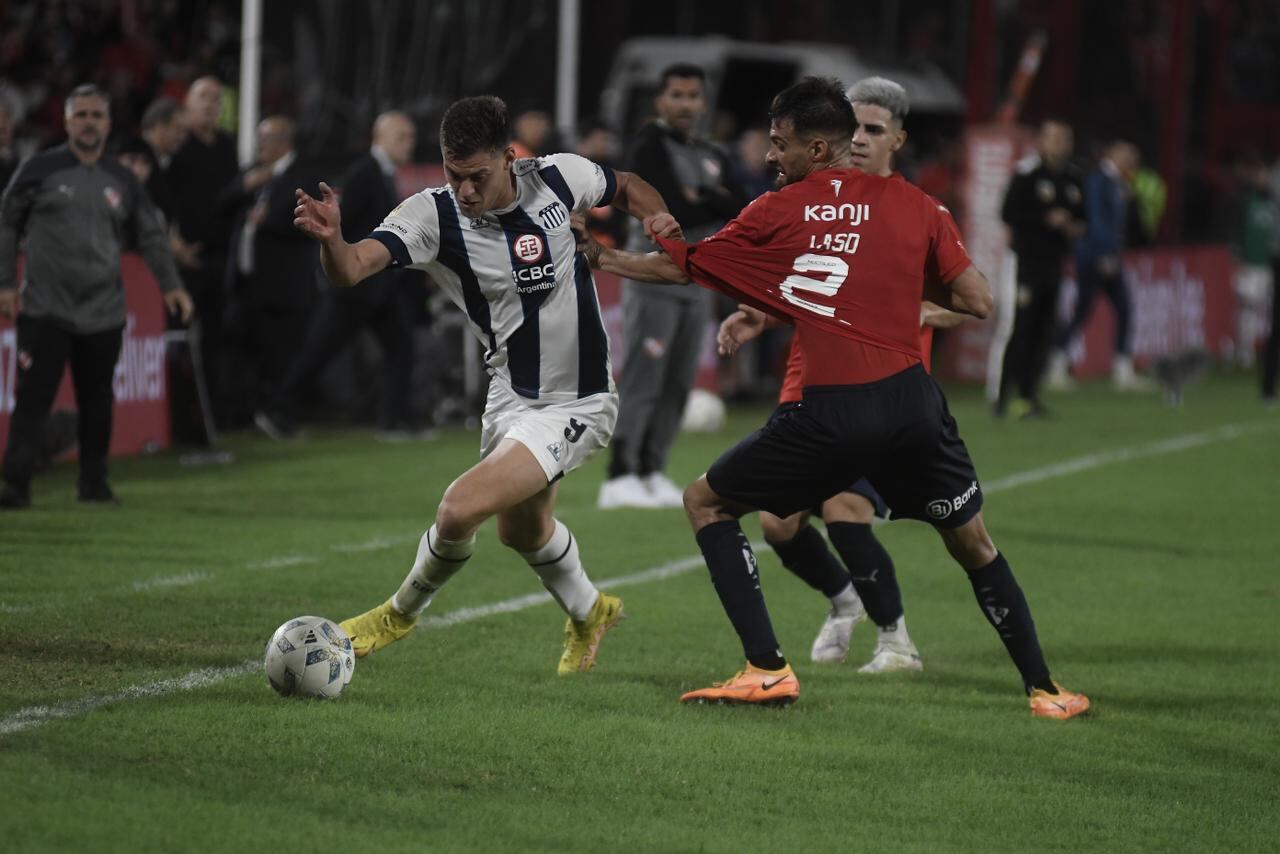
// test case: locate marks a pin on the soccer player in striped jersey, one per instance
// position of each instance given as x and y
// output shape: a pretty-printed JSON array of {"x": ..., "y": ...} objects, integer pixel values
[{"x": 498, "y": 241}]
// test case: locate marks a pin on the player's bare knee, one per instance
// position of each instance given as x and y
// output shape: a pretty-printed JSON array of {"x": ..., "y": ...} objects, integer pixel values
[
  {"x": 849, "y": 507},
  {"x": 779, "y": 530},
  {"x": 970, "y": 544},
  {"x": 525, "y": 533},
  {"x": 454, "y": 519}
]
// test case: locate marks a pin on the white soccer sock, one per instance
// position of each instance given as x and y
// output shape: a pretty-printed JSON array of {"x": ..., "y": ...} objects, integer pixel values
[
  {"x": 438, "y": 559},
  {"x": 895, "y": 633},
  {"x": 560, "y": 569},
  {"x": 846, "y": 603}
]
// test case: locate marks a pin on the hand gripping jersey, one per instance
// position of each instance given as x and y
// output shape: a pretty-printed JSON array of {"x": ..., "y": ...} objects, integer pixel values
[
  {"x": 845, "y": 256},
  {"x": 528, "y": 294}
]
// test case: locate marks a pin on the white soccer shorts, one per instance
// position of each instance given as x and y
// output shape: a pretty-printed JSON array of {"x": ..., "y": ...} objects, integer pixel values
[{"x": 562, "y": 436}]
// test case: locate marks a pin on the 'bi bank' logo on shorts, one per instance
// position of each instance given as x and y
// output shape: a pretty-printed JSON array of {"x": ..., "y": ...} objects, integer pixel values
[{"x": 944, "y": 507}]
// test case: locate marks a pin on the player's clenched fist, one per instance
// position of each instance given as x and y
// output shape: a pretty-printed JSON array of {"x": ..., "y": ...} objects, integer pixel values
[
  {"x": 663, "y": 225},
  {"x": 318, "y": 218}
]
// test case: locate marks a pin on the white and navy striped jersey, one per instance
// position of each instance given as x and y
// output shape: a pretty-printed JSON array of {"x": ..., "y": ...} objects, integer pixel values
[{"x": 527, "y": 291}]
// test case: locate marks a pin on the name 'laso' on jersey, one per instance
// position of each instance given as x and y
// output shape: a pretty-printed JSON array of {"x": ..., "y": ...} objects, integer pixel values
[{"x": 527, "y": 292}]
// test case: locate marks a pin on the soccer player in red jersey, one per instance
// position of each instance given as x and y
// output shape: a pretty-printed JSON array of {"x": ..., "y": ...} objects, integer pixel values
[
  {"x": 848, "y": 257},
  {"x": 868, "y": 588}
]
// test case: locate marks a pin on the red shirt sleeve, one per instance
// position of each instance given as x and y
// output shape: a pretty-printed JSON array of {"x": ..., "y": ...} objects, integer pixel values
[{"x": 947, "y": 255}]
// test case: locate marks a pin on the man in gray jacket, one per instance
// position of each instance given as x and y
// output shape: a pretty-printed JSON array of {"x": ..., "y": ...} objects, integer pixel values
[
  {"x": 77, "y": 213},
  {"x": 664, "y": 328}
]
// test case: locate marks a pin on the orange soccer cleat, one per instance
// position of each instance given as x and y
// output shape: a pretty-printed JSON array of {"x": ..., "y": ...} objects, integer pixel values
[
  {"x": 1060, "y": 706},
  {"x": 751, "y": 686}
]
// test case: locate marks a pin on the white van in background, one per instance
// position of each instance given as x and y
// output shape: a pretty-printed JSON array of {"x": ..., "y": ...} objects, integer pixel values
[{"x": 743, "y": 77}]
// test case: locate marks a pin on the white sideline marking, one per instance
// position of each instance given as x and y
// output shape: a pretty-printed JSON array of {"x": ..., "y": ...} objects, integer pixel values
[
  {"x": 374, "y": 544},
  {"x": 1092, "y": 461},
  {"x": 282, "y": 561},
  {"x": 170, "y": 581},
  {"x": 34, "y": 716}
]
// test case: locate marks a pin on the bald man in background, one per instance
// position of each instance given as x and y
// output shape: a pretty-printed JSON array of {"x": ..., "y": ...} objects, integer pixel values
[
  {"x": 386, "y": 303},
  {"x": 200, "y": 170}
]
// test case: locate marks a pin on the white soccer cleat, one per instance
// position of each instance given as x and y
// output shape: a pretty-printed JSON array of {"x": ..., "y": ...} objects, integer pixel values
[
  {"x": 626, "y": 491},
  {"x": 891, "y": 657},
  {"x": 663, "y": 490},
  {"x": 832, "y": 642}
]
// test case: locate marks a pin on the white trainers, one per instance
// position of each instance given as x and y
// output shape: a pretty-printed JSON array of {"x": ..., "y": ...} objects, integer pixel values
[
  {"x": 1058, "y": 377},
  {"x": 663, "y": 490},
  {"x": 1125, "y": 378},
  {"x": 891, "y": 657},
  {"x": 832, "y": 642},
  {"x": 625, "y": 491}
]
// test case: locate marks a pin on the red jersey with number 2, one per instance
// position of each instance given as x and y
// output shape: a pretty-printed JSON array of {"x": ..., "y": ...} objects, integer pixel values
[{"x": 844, "y": 255}]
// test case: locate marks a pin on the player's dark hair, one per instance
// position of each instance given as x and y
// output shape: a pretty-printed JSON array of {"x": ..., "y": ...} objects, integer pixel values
[
  {"x": 87, "y": 90},
  {"x": 476, "y": 124},
  {"x": 682, "y": 71},
  {"x": 161, "y": 112},
  {"x": 816, "y": 106}
]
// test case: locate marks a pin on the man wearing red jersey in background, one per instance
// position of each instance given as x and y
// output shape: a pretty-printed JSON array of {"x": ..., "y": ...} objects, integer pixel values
[
  {"x": 869, "y": 587},
  {"x": 845, "y": 256}
]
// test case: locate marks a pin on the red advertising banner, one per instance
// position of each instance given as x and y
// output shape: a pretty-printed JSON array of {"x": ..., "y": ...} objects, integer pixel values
[
  {"x": 1182, "y": 299},
  {"x": 142, "y": 408}
]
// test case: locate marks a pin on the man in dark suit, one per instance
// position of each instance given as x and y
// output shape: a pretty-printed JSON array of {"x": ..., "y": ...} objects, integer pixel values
[
  {"x": 202, "y": 167},
  {"x": 276, "y": 263},
  {"x": 385, "y": 303}
]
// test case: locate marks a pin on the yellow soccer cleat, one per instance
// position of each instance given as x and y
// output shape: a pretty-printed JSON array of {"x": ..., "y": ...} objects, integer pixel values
[
  {"x": 378, "y": 628},
  {"x": 1060, "y": 706},
  {"x": 582, "y": 639},
  {"x": 751, "y": 686}
]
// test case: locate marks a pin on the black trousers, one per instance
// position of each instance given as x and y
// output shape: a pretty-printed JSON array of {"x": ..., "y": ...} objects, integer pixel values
[
  {"x": 44, "y": 348},
  {"x": 208, "y": 288},
  {"x": 341, "y": 314},
  {"x": 1271, "y": 353},
  {"x": 1089, "y": 281},
  {"x": 1027, "y": 353}
]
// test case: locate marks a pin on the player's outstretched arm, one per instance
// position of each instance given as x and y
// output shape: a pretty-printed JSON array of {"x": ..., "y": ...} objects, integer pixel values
[
  {"x": 741, "y": 326},
  {"x": 637, "y": 197},
  {"x": 969, "y": 293},
  {"x": 654, "y": 267},
  {"x": 937, "y": 317},
  {"x": 344, "y": 263}
]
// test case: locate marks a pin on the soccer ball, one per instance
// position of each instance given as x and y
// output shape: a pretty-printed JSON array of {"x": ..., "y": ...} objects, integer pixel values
[
  {"x": 309, "y": 657},
  {"x": 703, "y": 413}
]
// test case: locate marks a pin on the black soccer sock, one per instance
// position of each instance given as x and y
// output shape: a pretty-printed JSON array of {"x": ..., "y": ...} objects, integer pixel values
[
  {"x": 871, "y": 570},
  {"x": 727, "y": 553},
  {"x": 807, "y": 556},
  {"x": 1006, "y": 610}
]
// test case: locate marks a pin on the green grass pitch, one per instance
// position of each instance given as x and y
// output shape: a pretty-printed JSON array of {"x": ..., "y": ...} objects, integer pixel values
[{"x": 1146, "y": 539}]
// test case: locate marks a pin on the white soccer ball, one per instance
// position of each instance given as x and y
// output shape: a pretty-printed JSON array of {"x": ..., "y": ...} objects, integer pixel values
[
  {"x": 704, "y": 412},
  {"x": 309, "y": 657}
]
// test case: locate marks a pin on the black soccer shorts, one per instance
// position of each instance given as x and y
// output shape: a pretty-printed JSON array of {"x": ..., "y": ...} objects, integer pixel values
[{"x": 896, "y": 432}]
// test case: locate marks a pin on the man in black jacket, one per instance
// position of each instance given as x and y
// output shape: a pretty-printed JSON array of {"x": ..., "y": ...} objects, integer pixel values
[
  {"x": 77, "y": 212},
  {"x": 1044, "y": 208},
  {"x": 277, "y": 265},
  {"x": 204, "y": 165},
  {"x": 664, "y": 328},
  {"x": 383, "y": 302}
]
